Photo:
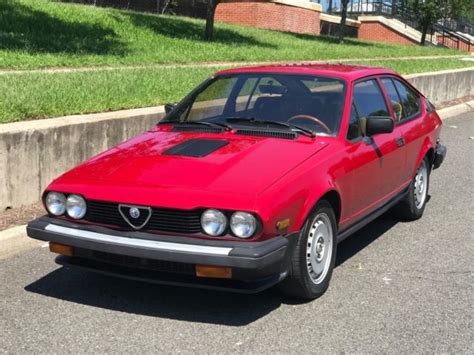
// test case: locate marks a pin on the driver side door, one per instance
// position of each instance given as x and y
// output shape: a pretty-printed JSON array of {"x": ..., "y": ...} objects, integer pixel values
[{"x": 376, "y": 163}]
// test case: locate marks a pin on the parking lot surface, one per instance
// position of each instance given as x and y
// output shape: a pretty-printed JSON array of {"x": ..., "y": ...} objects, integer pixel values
[{"x": 398, "y": 287}]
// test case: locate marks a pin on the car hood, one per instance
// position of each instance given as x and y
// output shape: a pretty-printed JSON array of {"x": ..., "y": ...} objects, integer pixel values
[{"x": 230, "y": 164}]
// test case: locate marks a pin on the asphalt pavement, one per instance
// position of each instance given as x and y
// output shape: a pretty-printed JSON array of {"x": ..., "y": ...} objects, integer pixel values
[{"x": 398, "y": 287}]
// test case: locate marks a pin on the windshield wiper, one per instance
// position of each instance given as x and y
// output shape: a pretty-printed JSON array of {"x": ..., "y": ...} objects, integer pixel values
[
  {"x": 209, "y": 124},
  {"x": 304, "y": 130}
]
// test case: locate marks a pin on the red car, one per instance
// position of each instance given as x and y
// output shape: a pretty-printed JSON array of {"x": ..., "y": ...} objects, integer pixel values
[{"x": 251, "y": 180}]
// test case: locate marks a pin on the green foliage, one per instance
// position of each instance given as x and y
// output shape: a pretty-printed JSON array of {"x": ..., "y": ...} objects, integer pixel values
[
  {"x": 429, "y": 12},
  {"x": 469, "y": 15},
  {"x": 460, "y": 9}
]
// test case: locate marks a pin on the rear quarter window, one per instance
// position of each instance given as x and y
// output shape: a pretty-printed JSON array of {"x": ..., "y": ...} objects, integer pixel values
[{"x": 410, "y": 100}]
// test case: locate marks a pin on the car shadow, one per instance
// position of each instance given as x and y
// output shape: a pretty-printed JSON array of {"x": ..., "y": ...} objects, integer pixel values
[
  {"x": 178, "y": 303},
  {"x": 328, "y": 39},
  {"x": 365, "y": 236}
]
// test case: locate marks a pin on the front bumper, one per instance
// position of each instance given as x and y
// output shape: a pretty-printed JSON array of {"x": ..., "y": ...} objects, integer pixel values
[
  {"x": 439, "y": 155},
  {"x": 167, "y": 259}
]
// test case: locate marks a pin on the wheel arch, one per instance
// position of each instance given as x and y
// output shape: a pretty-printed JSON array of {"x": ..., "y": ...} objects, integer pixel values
[
  {"x": 333, "y": 197},
  {"x": 427, "y": 149},
  {"x": 430, "y": 154}
]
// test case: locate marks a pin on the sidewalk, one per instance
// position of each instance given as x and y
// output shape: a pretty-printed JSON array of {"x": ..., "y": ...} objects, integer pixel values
[{"x": 210, "y": 65}]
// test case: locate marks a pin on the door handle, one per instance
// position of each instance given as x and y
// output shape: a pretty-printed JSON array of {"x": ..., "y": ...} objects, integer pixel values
[{"x": 400, "y": 141}]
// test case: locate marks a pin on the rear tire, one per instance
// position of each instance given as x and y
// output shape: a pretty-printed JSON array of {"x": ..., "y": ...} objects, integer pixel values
[
  {"x": 314, "y": 256},
  {"x": 413, "y": 205}
]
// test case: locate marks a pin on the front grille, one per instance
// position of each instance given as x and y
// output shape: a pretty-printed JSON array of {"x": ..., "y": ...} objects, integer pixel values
[
  {"x": 264, "y": 133},
  {"x": 135, "y": 262},
  {"x": 162, "y": 219}
]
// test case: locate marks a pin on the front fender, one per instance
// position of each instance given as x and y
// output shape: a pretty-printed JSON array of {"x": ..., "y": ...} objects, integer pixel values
[{"x": 292, "y": 199}]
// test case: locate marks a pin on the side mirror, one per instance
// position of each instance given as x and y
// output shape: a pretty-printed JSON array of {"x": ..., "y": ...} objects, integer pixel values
[
  {"x": 169, "y": 108},
  {"x": 378, "y": 124}
]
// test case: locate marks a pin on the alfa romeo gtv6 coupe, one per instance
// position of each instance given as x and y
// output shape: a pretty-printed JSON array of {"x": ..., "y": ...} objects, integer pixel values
[{"x": 250, "y": 181}]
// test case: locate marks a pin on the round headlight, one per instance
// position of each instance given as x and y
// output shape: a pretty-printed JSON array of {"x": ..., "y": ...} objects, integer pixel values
[
  {"x": 213, "y": 222},
  {"x": 243, "y": 224},
  {"x": 56, "y": 203},
  {"x": 76, "y": 206}
]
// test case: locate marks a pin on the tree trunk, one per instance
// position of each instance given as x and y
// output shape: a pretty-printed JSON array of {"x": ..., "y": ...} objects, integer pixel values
[
  {"x": 211, "y": 10},
  {"x": 424, "y": 31},
  {"x": 165, "y": 6},
  {"x": 342, "y": 25}
]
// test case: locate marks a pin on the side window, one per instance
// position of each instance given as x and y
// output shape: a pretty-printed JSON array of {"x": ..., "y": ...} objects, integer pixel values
[
  {"x": 245, "y": 94},
  {"x": 254, "y": 89},
  {"x": 394, "y": 98},
  {"x": 369, "y": 100},
  {"x": 409, "y": 99}
]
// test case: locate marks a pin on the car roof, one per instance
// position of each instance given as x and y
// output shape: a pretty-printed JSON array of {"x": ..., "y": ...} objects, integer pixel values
[{"x": 344, "y": 71}]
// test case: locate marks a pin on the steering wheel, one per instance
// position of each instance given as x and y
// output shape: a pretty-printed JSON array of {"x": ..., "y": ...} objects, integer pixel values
[{"x": 312, "y": 119}]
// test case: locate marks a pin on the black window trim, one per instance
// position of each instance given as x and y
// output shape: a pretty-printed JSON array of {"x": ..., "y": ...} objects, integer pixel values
[
  {"x": 414, "y": 116},
  {"x": 388, "y": 97},
  {"x": 356, "y": 139}
]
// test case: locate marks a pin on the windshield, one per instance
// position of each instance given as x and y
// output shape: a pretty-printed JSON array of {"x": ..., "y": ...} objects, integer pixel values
[{"x": 306, "y": 102}]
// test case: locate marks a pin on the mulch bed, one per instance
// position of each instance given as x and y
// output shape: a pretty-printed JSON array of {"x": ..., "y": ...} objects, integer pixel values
[
  {"x": 21, "y": 215},
  {"x": 453, "y": 102}
]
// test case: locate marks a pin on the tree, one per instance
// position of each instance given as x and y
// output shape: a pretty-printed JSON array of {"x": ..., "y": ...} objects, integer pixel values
[
  {"x": 429, "y": 12},
  {"x": 211, "y": 11},
  {"x": 342, "y": 25},
  {"x": 168, "y": 6}
]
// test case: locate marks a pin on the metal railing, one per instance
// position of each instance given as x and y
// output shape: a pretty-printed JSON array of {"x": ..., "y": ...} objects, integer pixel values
[
  {"x": 446, "y": 30},
  {"x": 450, "y": 39},
  {"x": 458, "y": 26}
]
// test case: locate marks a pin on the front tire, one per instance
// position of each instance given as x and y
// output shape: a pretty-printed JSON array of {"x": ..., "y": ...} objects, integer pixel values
[
  {"x": 413, "y": 206},
  {"x": 314, "y": 256}
]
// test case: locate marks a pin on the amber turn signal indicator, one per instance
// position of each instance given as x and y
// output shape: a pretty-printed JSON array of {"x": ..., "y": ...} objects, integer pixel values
[
  {"x": 65, "y": 250},
  {"x": 283, "y": 224},
  {"x": 217, "y": 272}
]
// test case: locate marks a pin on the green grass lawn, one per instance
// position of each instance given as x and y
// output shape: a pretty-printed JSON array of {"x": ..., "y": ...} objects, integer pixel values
[
  {"x": 41, "y": 33},
  {"x": 40, "y": 95}
]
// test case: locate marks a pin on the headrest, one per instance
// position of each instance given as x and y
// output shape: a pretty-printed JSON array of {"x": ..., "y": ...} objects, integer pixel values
[{"x": 272, "y": 89}]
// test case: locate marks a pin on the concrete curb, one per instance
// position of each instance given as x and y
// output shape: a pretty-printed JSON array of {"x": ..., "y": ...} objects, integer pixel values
[
  {"x": 455, "y": 110},
  {"x": 59, "y": 70},
  {"x": 14, "y": 241}
]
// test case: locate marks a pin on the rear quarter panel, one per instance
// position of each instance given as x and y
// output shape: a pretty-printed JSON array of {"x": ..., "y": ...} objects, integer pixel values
[{"x": 421, "y": 136}]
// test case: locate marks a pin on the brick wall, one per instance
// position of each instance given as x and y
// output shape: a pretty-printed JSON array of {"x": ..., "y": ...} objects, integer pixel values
[
  {"x": 273, "y": 16},
  {"x": 451, "y": 43},
  {"x": 376, "y": 31}
]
